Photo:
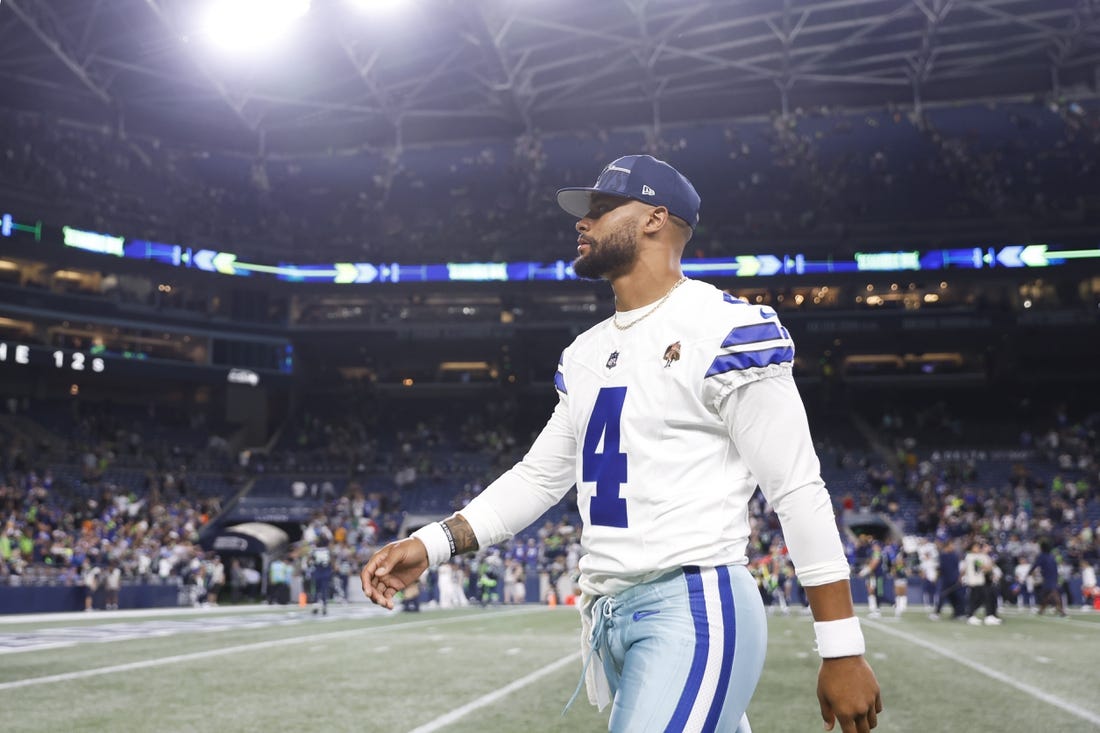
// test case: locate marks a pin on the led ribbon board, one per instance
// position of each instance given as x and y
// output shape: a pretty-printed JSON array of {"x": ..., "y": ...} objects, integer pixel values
[
  {"x": 9, "y": 227},
  {"x": 747, "y": 266},
  {"x": 971, "y": 258}
]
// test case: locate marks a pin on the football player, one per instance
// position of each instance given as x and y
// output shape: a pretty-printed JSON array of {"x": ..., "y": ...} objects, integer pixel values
[{"x": 670, "y": 413}]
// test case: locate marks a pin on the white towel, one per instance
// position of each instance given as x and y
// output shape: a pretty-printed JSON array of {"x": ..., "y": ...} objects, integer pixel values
[{"x": 595, "y": 680}]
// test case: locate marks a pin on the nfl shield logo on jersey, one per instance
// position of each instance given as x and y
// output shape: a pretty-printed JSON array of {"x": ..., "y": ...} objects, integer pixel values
[
  {"x": 613, "y": 360},
  {"x": 672, "y": 353}
]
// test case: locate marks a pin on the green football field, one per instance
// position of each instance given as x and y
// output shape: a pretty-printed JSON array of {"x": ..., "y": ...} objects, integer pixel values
[{"x": 497, "y": 670}]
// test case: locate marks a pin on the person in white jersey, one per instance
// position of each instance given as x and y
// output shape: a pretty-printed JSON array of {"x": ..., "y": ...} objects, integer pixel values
[{"x": 670, "y": 413}]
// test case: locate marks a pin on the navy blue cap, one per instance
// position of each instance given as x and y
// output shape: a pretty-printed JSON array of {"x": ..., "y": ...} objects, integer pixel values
[{"x": 642, "y": 178}]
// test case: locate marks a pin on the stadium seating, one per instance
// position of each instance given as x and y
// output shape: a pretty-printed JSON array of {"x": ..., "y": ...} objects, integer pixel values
[{"x": 822, "y": 175}]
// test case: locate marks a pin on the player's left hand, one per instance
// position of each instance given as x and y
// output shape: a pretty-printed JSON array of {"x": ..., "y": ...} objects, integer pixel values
[{"x": 849, "y": 694}]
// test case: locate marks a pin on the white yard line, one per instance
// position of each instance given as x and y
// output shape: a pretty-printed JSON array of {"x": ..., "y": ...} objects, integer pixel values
[
  {"x": 161, "y": 661},
  {"x": 151, "y": 628},
  {"x": 1035, "y": 692},
  {"x": 100, "y": 615},
  {"x": 492, "y": 697}
]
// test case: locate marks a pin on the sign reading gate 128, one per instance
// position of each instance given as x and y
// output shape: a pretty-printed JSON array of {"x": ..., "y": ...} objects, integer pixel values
[{"x": 72, "y": 361}]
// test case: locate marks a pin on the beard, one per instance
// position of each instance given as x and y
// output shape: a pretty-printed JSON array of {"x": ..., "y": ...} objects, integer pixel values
[{"x": 611, "y": 256}]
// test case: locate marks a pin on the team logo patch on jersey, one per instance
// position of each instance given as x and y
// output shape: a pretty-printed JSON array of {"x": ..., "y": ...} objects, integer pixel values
[
  {"x": 612, "y": 360},
  {"x": 672, "y": 353}
]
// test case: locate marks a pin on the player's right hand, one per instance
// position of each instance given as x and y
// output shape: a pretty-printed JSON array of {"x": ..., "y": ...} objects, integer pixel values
[{"x": 392, "y": 569}]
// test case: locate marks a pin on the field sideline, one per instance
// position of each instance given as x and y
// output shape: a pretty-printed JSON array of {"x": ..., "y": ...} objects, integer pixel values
[{"x": 497, "y": 670}]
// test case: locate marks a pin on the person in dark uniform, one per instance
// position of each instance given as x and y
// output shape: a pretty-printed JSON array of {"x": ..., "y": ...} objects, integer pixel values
[
  {"x": 1047, "y": 565},
  {"x": 950, "y": 585}
]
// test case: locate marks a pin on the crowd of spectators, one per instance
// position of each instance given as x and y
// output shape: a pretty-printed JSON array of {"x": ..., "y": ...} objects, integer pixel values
[
  {"x": 967, "y": 473},
  {"x": 1011, "y": 477},
  {"x": 51, "y": 536},
  {"x": 820, "y": 174},
  {"x": 366, "y": 463},
  {"x": 94, "y": 485},
  {"x": 940, "y": 473}
]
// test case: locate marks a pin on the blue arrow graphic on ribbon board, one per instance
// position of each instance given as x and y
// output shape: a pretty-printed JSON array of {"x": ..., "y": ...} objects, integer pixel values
[
  {"x": 769, "y": 264},
  {"x": 367, "y": 272},
  {"x": 204, "y": 259},
  {"x": 1010, "y": 256}
]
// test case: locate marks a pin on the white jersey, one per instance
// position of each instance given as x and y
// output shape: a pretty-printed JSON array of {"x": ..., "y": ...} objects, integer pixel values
[
  {"x": 929, "y": 557},
  {"x": 1088, "y": 577},
  {"x": 666, "y": 428},
  {"x": 976, "y": 565}
]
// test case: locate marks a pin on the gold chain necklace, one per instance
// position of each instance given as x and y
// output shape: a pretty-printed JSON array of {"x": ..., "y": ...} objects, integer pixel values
[{"x": 651, "y": 311}]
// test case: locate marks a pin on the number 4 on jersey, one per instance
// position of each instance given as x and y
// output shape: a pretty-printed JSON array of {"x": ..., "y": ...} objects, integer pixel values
[{"x": 606, "y": 469}]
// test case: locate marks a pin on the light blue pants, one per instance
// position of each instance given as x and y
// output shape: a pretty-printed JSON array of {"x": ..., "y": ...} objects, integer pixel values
[{"x": 684, "y": 652}]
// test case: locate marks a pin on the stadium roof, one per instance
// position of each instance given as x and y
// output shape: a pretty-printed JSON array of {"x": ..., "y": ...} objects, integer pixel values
[{"x": 464, "y": 69}]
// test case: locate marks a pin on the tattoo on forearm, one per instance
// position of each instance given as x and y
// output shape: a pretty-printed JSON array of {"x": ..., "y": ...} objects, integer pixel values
[{"x": 465, "y": 540}]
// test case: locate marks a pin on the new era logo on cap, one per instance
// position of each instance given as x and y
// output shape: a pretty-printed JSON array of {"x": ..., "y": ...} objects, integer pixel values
[{"x": 635, "y": 177}]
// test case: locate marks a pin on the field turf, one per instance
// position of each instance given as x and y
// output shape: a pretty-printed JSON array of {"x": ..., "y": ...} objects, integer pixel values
[{"x": 497, "y": 670}]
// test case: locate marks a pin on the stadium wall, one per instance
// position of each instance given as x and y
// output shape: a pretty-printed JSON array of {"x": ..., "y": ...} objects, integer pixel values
[{"x": 44, "y": 598}]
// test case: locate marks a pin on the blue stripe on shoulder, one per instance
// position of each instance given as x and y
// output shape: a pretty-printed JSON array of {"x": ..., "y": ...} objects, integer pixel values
[
  {"x": 734, "y": 299},
  {"x": 748, "y": 359},
  {"x": 698, "y": 603},
  {"x": 751, "y": 334},
  {"x": 559, "y": 382}
]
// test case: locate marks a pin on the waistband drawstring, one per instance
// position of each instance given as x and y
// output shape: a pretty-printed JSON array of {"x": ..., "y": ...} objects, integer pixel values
[{"x": 602, "y": 610}]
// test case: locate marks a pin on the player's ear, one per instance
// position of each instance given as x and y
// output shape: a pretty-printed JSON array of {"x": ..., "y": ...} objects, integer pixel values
[{"x": 657, "y": 219}]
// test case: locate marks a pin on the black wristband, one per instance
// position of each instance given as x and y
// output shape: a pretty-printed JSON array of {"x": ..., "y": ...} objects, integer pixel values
[{"x": 450, "y": 537}]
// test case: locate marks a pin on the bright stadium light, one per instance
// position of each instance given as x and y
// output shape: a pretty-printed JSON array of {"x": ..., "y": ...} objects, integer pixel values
[
  {"x": 378, "y": 6},
  {"x": 247, "y": 24}
]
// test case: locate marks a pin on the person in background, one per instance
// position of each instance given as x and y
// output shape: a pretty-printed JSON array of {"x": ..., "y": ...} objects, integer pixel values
[
  {"x": 899, "y": 571},
  {"x": 236, "y": 580},
  {"x": 950, "y": 585},
  {"x": 112, "y": 583},
  {"x": 978, "y": 570},
  {"x": 278, "y": 582},
  {"x": 514, "y": 590},
  {"x": 928, "y": 556},
  {"x": 1049, "y": 593},
  {"x": 321, "y": 572},
  {"x": 874, "y": 574},
  {"x": 450, "y": 579},
  {"x": 1024, "y": 585},
  {"x": 90, "y": 578},
  {"x": 1089, "y": 591},
  {"x": 215, "y": 581},
  {"x": 344, "y": 569}
]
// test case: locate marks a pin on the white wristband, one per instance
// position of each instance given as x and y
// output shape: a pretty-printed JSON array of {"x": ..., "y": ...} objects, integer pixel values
[
  {"x": 435, "y": 540},
  {"x": 841, "y": 638}
]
